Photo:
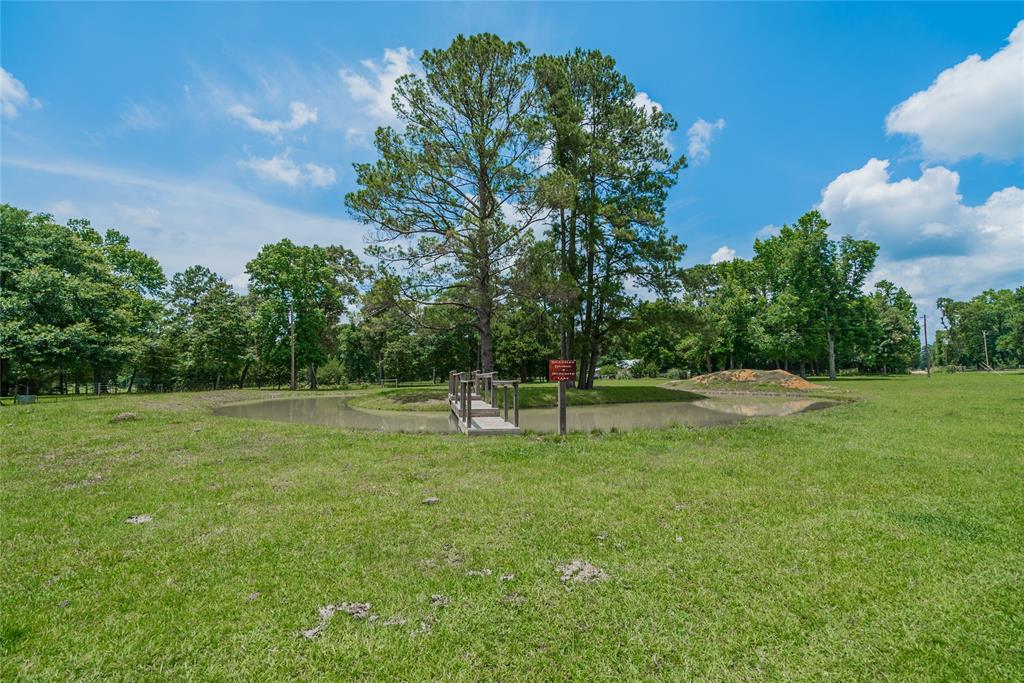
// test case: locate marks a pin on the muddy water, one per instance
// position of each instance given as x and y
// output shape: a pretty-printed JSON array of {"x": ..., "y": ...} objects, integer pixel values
[{"x": 334, "y": 411}]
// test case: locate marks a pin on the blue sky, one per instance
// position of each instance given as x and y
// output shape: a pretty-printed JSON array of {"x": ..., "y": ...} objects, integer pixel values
[{"x": 206, "y": 130}]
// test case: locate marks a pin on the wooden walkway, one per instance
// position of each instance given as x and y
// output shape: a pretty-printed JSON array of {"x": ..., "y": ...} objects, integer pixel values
[{"x": 476, "y": 416}]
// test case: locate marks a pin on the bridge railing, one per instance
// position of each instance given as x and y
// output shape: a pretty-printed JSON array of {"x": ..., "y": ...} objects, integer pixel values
[
  {"x": 463, "y": 386},
  {"x": 504, "y": 384}
]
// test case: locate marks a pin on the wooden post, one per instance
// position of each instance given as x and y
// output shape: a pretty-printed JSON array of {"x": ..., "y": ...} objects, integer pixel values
[
  {"x": 927, "y": 351},
  {"x": 291, "y": 325},
  {"x": 505, "y": 401},
  {"x": 515, "y": 398},
  {"x": 561, "y": 408}
]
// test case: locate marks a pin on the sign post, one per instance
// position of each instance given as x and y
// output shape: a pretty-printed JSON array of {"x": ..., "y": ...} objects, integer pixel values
[{"x": 563, "y": 372}]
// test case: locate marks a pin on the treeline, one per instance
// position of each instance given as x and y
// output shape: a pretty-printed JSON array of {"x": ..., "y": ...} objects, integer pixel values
[
  {"x": 987, "y": 330},
  {"x": 516, "y": 214}
]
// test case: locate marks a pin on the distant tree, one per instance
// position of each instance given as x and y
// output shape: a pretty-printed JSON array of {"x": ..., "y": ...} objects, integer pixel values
[
  {"x": 896, "y": 342},
  {"x": 612, "y": 169},
  {"x": 72, "y": 302},
  {"x": 314, "y": 284},
  {"x": 825, "y": 276},
  {"x": 994, "y": 316},
  {"x": 451, "y": 195}
]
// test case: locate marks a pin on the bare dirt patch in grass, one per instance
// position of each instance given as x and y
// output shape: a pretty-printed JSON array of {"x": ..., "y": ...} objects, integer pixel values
[{"x": 581, "y": 571}]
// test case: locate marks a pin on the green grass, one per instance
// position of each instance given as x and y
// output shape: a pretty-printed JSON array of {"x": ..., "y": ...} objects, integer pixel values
[
  {"x": 530, "y": 396},
  {"x": 879, "y": 540}
]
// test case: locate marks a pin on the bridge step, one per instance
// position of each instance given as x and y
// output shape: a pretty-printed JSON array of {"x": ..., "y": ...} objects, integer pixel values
[
  {"x": 485, "y": 420},
  {"x": 480, "y": 408},
  {"x": 490, "y": 426}
]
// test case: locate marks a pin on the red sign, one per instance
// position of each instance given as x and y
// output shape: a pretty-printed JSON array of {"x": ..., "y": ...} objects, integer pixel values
[{"x": 561, "y": 370}]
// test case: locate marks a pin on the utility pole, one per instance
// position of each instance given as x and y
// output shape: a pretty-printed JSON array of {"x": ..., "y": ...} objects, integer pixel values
[
  {"x": 927, "y": 351},
  {"x": 291, "y": 324},
  {"x": 984, "y": 341}
]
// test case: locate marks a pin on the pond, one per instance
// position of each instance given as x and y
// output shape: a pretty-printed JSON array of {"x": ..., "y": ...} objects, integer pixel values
[{"x": 334, "y": 411}]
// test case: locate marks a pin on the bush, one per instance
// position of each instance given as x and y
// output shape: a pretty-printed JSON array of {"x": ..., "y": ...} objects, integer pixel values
[
  {"x": 608, "y": 370},
  {"x": 332, "y": 373},
  {"x": 623, "y": 374},
  {"x": 675, "y": 373},
  {"x": 645, "y": 369}
]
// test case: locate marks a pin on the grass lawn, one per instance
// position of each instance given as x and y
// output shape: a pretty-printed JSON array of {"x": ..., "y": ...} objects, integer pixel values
[
  {"x": 878, "y": 540},
  {"x": 540, "y": 395}
]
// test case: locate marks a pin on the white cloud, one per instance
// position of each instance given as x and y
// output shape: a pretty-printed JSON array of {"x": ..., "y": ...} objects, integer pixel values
[
  {"x": 914, "y": 216},
  {"x": 281, "y": 169},
  {"x": 975, "y": 107},
  {"x": 278, "y": 169},
  {"x": 320, "y": 176},
  {"x": 202, "y": 220},
  {"x": 240, "y": 282},
  {"x": 700, "y": 135},
  {"x": 138, "y": 117},
  {"x": 63, "y": 209},
  {"x": 14, "y": 95},
  {"x": 142, "y": 216},
  {"x": 376, "y": 90},
  {"x": 301, "y": 115},
  {"x": 931, "y": 242},
  {"x": 723, "y": 254},
  {"x": 644, "y": 101},
  {"x": 770, "y": 230}
]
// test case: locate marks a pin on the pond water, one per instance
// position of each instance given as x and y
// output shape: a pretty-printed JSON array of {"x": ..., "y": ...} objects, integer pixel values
[{"x": 334, "y": 411}]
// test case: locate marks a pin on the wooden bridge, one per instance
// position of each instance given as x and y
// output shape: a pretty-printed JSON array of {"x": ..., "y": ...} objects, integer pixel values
[{"x": 473, "y": 399}]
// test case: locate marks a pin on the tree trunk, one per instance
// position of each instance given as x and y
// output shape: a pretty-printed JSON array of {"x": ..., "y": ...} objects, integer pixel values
[
  {"x": 486, "y": 339},
  {"x": 312, "y": 377},
  {"x": 245, "y": 371},
  {"x": 831, "y": 355},
  {"x": 131, "y": 380},
  {"x": 96, "y": 382}
]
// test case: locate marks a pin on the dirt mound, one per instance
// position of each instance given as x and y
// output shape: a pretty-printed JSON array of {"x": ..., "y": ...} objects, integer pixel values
[{"x": 778, "y": 378}]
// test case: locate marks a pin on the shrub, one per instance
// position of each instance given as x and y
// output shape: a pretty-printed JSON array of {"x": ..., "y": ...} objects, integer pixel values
[
  {"x": 675, "y": 373},
  {"x": 645, "y": 369},
  {"x": 332, "y": 373}
]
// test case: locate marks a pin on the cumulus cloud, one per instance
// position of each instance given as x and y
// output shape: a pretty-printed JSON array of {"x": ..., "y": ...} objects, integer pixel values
[
  {"x": 301, "y": 115},
  {"x": 644, "y": 101},
  {"x": 376, "y": 90},
  {"x": 723, "y": 254},
  {"x": 281, "y": 169},
  {"x": 931, "y": 242},
  {"x": 975, "y": 107},
  {"x": 770, "y": 230},
  {"x": 14, "y": 96},
  {"x": 700, "y": 135}
]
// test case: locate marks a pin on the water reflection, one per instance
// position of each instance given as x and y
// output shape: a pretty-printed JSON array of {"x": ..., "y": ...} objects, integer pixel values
[{"x": 334, "y": 411}]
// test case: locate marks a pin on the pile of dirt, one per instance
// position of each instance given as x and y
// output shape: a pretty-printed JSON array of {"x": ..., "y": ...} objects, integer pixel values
[{"x": 777, "y": 378}]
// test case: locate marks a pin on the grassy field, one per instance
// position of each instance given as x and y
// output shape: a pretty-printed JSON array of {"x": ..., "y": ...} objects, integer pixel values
[
  {"x": 543, "y": 395},
  {"x": 878, "y": 540}
]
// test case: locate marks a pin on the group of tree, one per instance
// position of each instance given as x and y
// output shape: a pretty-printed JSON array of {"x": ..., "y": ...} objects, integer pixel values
[
  {"x": 516, "y": 213},
  {"x": 987, "y": 330}
]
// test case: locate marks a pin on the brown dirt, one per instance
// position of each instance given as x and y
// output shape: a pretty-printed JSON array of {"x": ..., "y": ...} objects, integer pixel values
[
  {"x": 779, "y": 378},
  {"x": 581, "y": 571}
]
